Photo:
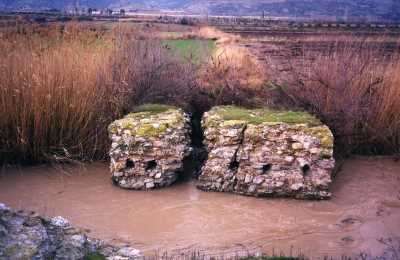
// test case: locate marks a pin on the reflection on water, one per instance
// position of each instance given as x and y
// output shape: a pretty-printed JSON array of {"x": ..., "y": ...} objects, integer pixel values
[{"x": 365, "y": 207}]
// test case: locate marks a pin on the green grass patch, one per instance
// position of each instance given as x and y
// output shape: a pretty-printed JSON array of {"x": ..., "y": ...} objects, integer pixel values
[
  {"x": 191, "y": 49},
  {"x": 152, "y": 108},
  {"x": 265, "y": 115},
  {"x": 94, "y": 256}
]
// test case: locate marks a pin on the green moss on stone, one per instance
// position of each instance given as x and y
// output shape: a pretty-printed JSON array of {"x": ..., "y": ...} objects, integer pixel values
[
  {"x": 265, "y": 115},
  {"x": 150, "y": 130},
  {"x": 323, "y": 133},
  {"x": 148, "y": 120},
  {"x": 327, "y": 142},
  {"x": 127, "y": 124},
  {"x": 112, "y": 128},
  {"x": 234, "y": 123}
]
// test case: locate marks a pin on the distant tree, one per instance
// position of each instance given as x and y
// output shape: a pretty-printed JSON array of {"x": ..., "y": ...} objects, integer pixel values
[
  {"x": 122, "y": 12},
  {"x": 109, "y": 12},
  {"x": 54, "y": 10},
  {"x": 64, "y": 18},
  {"x": 185, "y": 21},
  {"x": 90, "y": 11},
  {"x": 40, "y": 19}
]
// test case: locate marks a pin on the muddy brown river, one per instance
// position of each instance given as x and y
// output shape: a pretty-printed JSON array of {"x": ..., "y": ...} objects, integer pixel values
[{"x": 365, "y": 208}]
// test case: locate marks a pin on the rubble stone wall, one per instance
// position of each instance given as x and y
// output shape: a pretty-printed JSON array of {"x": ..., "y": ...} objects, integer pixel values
[
  {"x": 149, "y": 147},
  {"x": 267, "y": 153}
]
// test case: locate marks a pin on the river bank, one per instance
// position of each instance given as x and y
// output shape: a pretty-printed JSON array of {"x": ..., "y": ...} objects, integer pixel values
[{"x": 365, "y": 208}]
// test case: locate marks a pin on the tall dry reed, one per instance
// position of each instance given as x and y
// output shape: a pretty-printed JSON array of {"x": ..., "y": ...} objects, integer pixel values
[
  {"x": 355, "y": 89},
  {"x": 57, "y": 93},
  {"x": 233, "y": 76},
  {"x": 61, "y": 86}
]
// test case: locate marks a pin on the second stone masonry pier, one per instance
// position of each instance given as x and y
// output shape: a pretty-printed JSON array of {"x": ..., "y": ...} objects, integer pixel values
[{"x": 265, "y": 152}]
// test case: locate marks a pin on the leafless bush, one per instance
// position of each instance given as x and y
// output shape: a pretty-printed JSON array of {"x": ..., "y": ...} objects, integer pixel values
[
  {"x": 155, "y": 75},
  {"x": 232, "y": 77}
]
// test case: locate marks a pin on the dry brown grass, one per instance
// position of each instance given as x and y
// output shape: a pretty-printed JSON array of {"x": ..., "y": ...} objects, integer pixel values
[
  {"x": 60, "y": 87},
  {"x": 355, "y": 89},
  {"x": 222, "y": 38},
  {"x": 387, "y": 118},
  {"x": 57, "y": 93},
  {"x": 233, "y": 76}
]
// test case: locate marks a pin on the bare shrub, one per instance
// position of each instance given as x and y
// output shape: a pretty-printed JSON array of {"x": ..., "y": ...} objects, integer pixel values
[
  {"x": 154, "y": 75},
  {"x": 232, "y": 76}
]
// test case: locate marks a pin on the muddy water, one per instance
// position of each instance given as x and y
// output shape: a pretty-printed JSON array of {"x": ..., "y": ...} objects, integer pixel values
[{"x": 365, "y": 208}]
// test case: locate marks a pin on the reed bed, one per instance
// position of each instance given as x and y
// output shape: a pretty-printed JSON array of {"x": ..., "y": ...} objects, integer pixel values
[
  {"x": 355, "y": 89},
  {"x": 61, "y": 85},
  {"x": 57, "y": 93}
]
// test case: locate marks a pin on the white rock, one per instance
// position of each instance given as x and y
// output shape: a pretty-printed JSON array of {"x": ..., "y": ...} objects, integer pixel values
[
  {"x": 297, "y": 146},
  {"x": 130, "y": 252},
  {"x": 248, "y": 178},
  {"x": 258, "y": 180},
  {"x": 150, "y": 185},
  {"x": 118, "y": 174},
  {"x": 297, "y": 186},
  {"x": 315, "y": 150},
  {"x": 60, "y": 222},
  {"x": 4, "y": 207},
  {"x": 289, "y": 159},
  {"x": 78, "y": 240}
]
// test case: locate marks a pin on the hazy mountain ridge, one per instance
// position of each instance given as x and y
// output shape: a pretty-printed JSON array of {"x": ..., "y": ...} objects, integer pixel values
[{"x": 357, "y": 9}]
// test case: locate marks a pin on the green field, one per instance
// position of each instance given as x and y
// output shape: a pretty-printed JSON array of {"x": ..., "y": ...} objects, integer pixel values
[{"x": 192, "y": 49}]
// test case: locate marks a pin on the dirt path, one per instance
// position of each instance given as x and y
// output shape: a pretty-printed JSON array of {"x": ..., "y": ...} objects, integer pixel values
[{"x": 365, "y": 208}]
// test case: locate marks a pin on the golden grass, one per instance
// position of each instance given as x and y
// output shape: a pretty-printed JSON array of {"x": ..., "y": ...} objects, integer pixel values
[
  {"x": 387, "y": 120},
  {"x": 355, "y": 89},
  {"x": 55, "y": 94},
  {"x": 60, "y": 87},
  {"x": 232, "y": 75}
]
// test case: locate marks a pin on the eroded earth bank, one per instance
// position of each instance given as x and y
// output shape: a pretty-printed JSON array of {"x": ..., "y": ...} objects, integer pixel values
[{"x": 364, "y": 208}]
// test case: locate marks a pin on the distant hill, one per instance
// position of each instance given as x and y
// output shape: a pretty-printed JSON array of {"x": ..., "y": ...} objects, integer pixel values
[{"x": 387, "y": 10}]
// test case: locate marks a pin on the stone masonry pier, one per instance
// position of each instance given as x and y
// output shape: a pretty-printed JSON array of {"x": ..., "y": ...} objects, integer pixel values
[
  {"x": 149, "y": 147},
  {"x": 264, "y": 152}
]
